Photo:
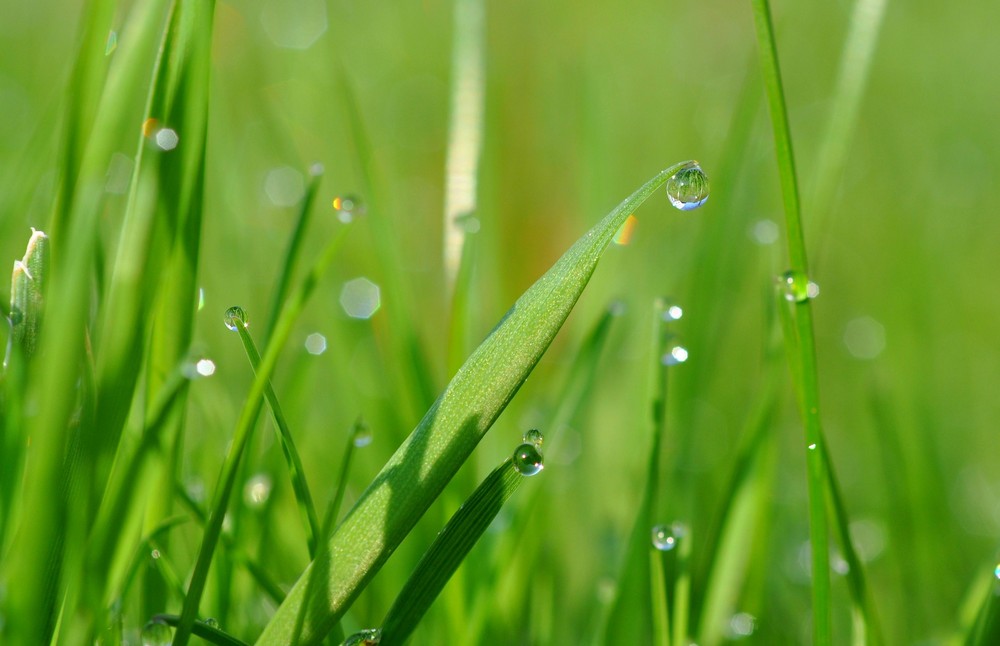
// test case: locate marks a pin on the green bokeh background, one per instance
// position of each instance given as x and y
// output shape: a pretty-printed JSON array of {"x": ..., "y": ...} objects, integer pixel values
[{"x": 584, "y": 101}]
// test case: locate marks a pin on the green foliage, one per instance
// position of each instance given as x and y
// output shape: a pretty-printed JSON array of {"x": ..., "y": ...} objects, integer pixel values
[{"x": 163, "y": 148}]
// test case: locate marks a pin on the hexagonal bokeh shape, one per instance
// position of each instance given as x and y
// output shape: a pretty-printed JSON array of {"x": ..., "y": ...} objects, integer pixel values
[
  {"x": 360, "y": 298},
  {"x": 294, "y": 25},
  {"x": 284, "y": 186}
]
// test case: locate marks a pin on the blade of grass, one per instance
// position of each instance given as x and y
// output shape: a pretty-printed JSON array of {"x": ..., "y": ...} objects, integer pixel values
[
  {"x": 244, "y": 427},
  {"x": 448, "y": 551},
  {"x": 465, "y": 131},
  {"x": 206, "y": 631},
  {"x": 448, "y": 433},
  {"x": 658, "y": 597},
  {"x": 297, "y": 474},
  {"x": 805, "y": 356}
]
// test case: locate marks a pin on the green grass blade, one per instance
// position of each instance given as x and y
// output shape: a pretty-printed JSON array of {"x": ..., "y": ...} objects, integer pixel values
[
  {"x": 805, "y": 346},
  {"x": 448, "y": 433},
  {"x": 206, "y": 631},
  {"x": 333, "y": 509},
  {"x": 448, "y": 551},
  {"x": 292, "y": 254},
  {"x": 658, "y": 597},
  {"x": 986, "y": 629},
  {"x": 465, "y": 132},
  {"x": 295, "y": 470},
  {"x": 251, "y": 408}
]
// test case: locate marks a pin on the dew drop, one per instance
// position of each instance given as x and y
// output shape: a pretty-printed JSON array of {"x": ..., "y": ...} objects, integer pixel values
[
  {"x": 677, "y": 354},
  {"x": 156, "y": 633},
  {"x": 688, "y": 187},
  {"x": 362, "y": 436},
  {"x": 257, "y": 490},
  {"x": 205, "y": 368},
  {"x": 212, "y": 622},
  {"x": 367, "y": 637},
  {"x": 236, "y": 317},
  {"x": 672, "y": 313},
  {"x": 528, "y": 459},
  {"x": 796, "y": 287},
  {"x": 348, "y": 207},
  {"x": 812, "y": 447},
  {"x": 155, "y": 554},
  {"x": 996, "y": 572},
  {"x": 664, "y": 538},
  {"x": 534, "y": 437}
]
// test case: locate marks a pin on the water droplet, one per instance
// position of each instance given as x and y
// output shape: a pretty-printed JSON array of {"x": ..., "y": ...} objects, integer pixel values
[
  {"x": 528, "y": 460},
  {"x": 671, "y": 310},
  {"x": 864, "y": 337},
  {"x": 348, "y": 207},
  {"x": 367, "y": 637},
  {"x": 534, "y": 437},
  {"x": 236, "y": 317},
  {"x": 664, "y": 538},
  {"x": 362, "y": 435},
  {"x": 156, "y": 633},
  {"x": 212, "y": 622},
  {"x": 996, "y": 572},
  {"x": 764, "y": 232},
  {"x": 812, "y": 447},
  {"x": 166, "y": 139},
  {"x": 677, "y": 354},
  {"x": 112, "y": 43},
  {"x": 257, "y": 490},
  {"x": 360, "y": 298},
  {"x": 205, "y": 367},
  {"x": 201, "y": 298},
  {"x": 688, "y": 187},
  {"x": 316, "y": 169},
  {"x": 796, "y": 287},
  {"x": 742, "y": 624},
  {"x": 155, "y": 554},
  {"x": 316, "y": 344},
  {"x": 284, "y": 186}
]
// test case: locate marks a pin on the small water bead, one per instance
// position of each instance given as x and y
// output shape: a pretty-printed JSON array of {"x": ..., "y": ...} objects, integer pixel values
[
  {"x": 534, "y": 437},
  {"x": 528, "y": 460},
  {"x": 257, "y": 491},
  {"x": 688, "y": 188},
  {"x": 664, "y": 538},
  {"x": 672, "y": 313},
  {"x": 348, "y": 207},
  {"x": 367, "y": 637},
  {"x": 362, "y": 436},
  {"x": 155, "y": 554},
  {"x": 205, "y": 368},
  {"x": 676, "y": 355},
  {"x": 996, "y": 572},
  {"x": 212, "y": 622},
  {"x": 797, "y": 287},
  {"x": 236, "y": 317},
  {"x": 156, "y": 633}
]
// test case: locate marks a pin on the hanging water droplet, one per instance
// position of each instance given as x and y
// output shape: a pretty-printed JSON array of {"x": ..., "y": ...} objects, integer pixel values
[
  {"x": 688, "y": 187},
  {"x": 672, "y": 313},
  {"x": 534, "y": 437},
  {"x": 528, "y": 459},
  {"x": 996, "y": 572},
  {"x": 367, "y": 637},
  {"x": 664, "y": 538},
  {"x": 156, "y": 633},
  {"x": 257, "y": 490},
  {"x": 236, "y": 317},
  {"x": 812, "y": 447},
  {"x": 155, "y": 554},
  {"x": 362, "y": 435},
  {"x": 212, "y": 622},
  {"x": 348, "y": 207},
  {"x": 797, "y": 287},
  {"x": 677, "y": 354}
]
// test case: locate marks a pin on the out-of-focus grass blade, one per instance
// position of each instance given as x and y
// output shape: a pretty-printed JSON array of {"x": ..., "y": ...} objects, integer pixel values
[
  {"x": 27, "y": 293},
  {"x": 447, "y": 552},
  {"x": 448, "y": 433},
  {"x": 630, "y": 617},
  {"x": 461, "y": 306},
  {"x": 658, "y": 598},
  {"x": 292, "y": 254},
  {"x": 985, "y": 631},
  {"x": 244, "y": 426},
  {"x": 295, "y": 470}
]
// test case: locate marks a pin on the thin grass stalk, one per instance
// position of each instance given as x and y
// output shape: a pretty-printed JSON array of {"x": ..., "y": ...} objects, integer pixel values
[
  {"x": 806, "y": 351},
  {"x": 658, "y": 597},
  {"x": 244, "y": 427}
]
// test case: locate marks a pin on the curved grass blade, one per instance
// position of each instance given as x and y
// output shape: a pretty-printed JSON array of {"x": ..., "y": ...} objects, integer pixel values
[
  {"x": 446, "y": 436},
  {"x": 203, "y": 629},
  {"x": 295, "y": 470},
  {"x": 448, "y": 551},
  {"x": 244, "y": 426}
]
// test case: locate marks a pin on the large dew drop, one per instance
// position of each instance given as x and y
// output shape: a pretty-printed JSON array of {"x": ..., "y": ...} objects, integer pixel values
[
  {"x": 688, "y": 187},
  {"x": 156, "y": 633},
  {"x": 367, "y": 637},
  {"x": 236, "y": 317},
  {"x": 797, "y": 287},
  {"x": 528, "y": 459}
]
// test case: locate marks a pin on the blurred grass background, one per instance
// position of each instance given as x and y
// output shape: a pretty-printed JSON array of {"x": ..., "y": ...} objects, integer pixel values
[{"x": 584, "y": 101}]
